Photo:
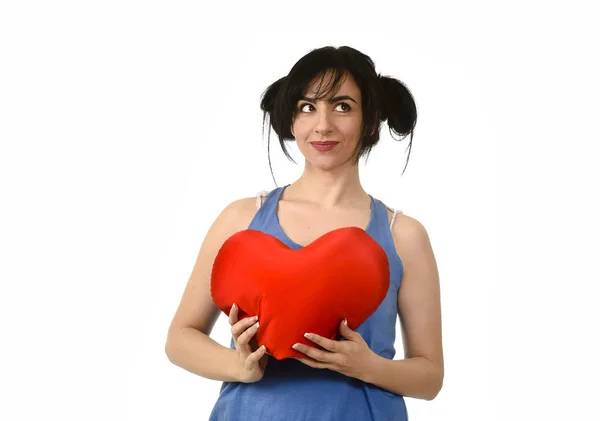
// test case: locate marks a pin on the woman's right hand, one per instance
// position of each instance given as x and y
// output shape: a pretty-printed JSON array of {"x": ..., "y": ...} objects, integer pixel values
[{"x": 251, "y": 362}]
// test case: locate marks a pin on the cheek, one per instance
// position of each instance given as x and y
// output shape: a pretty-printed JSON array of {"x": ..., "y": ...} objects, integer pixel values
[
  {"x": 350, "y": 130},
  {"x": 300, "y": 128}
]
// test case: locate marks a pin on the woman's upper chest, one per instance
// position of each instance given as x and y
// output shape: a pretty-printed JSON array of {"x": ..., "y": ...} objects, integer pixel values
[{"x": 303, "y": 224}]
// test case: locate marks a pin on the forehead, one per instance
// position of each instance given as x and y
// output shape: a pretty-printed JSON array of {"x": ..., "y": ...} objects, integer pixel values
[{"x": 324, "y": 83}]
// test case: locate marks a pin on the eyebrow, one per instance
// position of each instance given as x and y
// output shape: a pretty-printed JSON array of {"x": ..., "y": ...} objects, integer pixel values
[{"x": 331, "y": 101}]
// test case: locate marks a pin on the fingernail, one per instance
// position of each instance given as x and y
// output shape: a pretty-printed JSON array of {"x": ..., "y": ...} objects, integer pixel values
[
  {"x": 346, "y": 322},
  {"x": 233, "y": 306},
  {"x": 257, "y": 324},
  {"x": 263, "y": 348}
]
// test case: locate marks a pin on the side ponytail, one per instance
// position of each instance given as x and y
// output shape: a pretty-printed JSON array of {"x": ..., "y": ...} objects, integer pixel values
[
  {"x": 270, "y": 105},
  {"x": 398, "y": 107}
]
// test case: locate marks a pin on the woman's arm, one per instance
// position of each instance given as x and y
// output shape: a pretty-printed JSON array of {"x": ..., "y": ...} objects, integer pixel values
[
  {"x": 196, "y": 352},
  {"x": 421, "y": 373},
  {"x": 188, "y": 343},
  {"x": 415, "y": 377}
]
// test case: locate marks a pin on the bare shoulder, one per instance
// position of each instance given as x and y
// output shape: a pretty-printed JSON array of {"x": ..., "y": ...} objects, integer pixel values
[
  {"x": 406, "y": 229},
  {"x": 234, "y": 217},
  {"x": 240, "y": 212},
  {"x": 407, "y": 233},
  {"x": 243, "y": 210}
]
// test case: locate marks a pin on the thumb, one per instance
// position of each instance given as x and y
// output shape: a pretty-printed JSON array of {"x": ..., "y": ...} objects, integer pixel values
[{"x": 345, "y": 330}]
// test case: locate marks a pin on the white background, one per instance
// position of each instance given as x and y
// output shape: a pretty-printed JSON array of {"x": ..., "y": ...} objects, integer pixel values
[{"x": 126, "y": 127}]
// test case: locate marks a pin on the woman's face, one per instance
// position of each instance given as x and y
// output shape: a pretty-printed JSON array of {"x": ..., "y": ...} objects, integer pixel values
[{"x": 337, "y": 119}]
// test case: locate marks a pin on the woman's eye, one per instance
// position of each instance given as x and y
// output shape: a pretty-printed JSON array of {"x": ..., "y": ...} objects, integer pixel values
[
  {"x": 347, "y": 107},
  {"x": 343, "y": 103},
  {"x": 304, "y": 105}
]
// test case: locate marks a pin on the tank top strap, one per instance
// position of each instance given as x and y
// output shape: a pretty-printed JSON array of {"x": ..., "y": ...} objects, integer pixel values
[
  {"x": 259, "y": 197},
  {"x": 396, "y": 212},
  {"x": 265, "y": 218}
]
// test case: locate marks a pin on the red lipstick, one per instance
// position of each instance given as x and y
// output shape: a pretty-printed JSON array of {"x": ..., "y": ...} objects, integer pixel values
[{"x": 324, "y": 146}]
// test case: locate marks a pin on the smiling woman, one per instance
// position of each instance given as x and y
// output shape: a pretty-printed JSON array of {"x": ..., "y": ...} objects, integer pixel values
[
  {"x": 329, "y": 125},
  {"x": 331, "y": 103},
  {"x": 336, "y": 92}
]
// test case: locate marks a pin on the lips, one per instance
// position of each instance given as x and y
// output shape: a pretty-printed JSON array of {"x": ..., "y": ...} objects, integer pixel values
[{"x": 324, "y": 146}]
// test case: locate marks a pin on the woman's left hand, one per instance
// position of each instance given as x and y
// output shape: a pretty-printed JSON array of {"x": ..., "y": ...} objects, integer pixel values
[{"x": 352, "y": 357}]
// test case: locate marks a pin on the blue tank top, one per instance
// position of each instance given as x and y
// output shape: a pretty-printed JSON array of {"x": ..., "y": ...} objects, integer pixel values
[{"x": 293, "y": 391}]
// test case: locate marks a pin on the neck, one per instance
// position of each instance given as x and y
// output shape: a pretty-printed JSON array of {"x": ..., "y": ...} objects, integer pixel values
[{"x": 329, "y": 189}]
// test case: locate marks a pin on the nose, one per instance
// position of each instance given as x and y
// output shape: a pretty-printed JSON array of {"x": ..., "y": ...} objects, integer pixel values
[{"x": 323, "y": 124}]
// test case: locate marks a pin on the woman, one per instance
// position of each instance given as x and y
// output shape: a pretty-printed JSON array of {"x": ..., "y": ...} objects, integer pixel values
[{"x": 331, "y": 103}]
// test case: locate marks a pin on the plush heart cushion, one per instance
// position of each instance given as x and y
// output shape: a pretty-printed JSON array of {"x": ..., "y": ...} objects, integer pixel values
[{"x": 342, "y": 274}]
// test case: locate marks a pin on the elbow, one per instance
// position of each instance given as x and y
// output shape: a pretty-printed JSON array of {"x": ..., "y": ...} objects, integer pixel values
[
  {"x": 439, "y": 382},
  {"x": 169, "y": 346},
  {"x": 167, "y": 351},
  {"x": 433, "y": 395}
]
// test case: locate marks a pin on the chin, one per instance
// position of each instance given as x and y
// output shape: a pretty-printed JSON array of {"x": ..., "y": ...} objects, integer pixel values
[{"x": 324, "y": 164}]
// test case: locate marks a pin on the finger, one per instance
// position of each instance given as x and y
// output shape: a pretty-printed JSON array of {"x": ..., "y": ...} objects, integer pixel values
[
  {"x": 255, "y": 357},
  {"x": 242, "y": 325},
  {"x": 233, "y": 313},
  {"x": 312, "y": 363},
  {"x": 244, "y": 338},
  {"x": 347, "y": 332},
  {"x": 314, "y": 353},
  {"x": 328, "y": 344}
]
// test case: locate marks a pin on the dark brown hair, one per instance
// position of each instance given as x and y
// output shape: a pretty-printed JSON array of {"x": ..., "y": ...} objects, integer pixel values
[{"x": 383, "y": 98}]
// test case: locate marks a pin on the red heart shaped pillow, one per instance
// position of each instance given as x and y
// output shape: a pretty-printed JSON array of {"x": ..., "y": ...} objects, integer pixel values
[{"x": 342, "y": 274}]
